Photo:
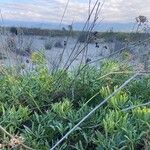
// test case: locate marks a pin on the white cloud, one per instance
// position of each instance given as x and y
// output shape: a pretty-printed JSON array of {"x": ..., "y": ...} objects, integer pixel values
[
  {"x": 125, "y": 10},
  {"x": 43, "y": 10},
  {"x": 52, "y": 10}
]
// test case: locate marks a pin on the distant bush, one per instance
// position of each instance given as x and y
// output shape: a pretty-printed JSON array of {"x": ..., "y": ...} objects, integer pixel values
[
  {"x": 123, "y": 36},
  {"x": 126, "y": 55},
  {"x": 2, "y": 56},
  {"x": 85, "y": 37},
  {"x": 48, "y": 44},
  {"x": 19, "y": 45},
  {"x": 58, "y": 44},
  {"x": 13, "y": 30},
  {"x": 82, "y": 37}
]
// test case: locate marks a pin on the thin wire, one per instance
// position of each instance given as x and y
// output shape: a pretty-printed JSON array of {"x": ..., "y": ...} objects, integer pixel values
[{"x": 91, "y": 112}]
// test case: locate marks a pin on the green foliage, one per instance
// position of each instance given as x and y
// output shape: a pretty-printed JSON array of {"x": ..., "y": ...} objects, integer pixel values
[
  {"x": 109, "y": 66},
  {"x": 42, "y": 107},
  {"x": 114, "y": 120},
  {"x": 117, "y": 101},
  {"x": 142, "y": 85},
  {"x": 125, "y": 55},
  {"x": 142, "y": 113},
  {"x": 62, "y": 108},
  {"x": 37, "y": 58},
  {"x": 13, "y": 117}
]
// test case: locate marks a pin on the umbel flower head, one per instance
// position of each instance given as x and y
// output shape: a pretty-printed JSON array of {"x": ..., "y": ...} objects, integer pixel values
[{"x": 141, "y": 19}]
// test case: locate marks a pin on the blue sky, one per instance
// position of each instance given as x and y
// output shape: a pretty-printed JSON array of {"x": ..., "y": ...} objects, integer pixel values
[{"x": 113, "y": 11}]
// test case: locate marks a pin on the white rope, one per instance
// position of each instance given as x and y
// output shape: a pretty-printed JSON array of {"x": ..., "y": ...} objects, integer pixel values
[{"x": 90, "y": 113}]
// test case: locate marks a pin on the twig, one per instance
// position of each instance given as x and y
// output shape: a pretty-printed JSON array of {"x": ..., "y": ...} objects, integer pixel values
[
  {"x": 64, "y": 12},
  {"x": 66, "y": 65},
  {"x": 89, "y": 100},
  {"x": 86, "y": 23},
  {"x": 12, "y": 137},
  {"x": 3, "y": 130},
  {"x": 103, "y": 58}
]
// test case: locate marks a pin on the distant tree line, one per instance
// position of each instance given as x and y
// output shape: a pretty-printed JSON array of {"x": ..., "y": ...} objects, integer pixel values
[
  {"x": 109, "y": 36},
  {"x": 36, "y": 31}
]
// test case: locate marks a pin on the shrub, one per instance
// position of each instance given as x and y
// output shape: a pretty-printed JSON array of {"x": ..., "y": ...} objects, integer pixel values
[
  {"x": 58, "y": 44},
  {"x": 37, "y": 58},
  {"x": 142, "y": 113},
  {"x": 85, "y": 37},
  {"x": 48, "y": 44},
  {"x": 13, "y": 30},
  {"x": 28, "y": 108},
  {"x": 2, "y": 56}
]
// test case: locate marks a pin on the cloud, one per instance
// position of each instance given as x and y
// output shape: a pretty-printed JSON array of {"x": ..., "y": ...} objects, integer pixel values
[
  {"x": 43, "y": 10},
  {"x": 52, "y": 10},
  {"x": 125, "y": 10}
]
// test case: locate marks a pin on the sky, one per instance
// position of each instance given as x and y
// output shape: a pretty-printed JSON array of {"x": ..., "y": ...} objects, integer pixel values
[{"x": 113, "y": 11}]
